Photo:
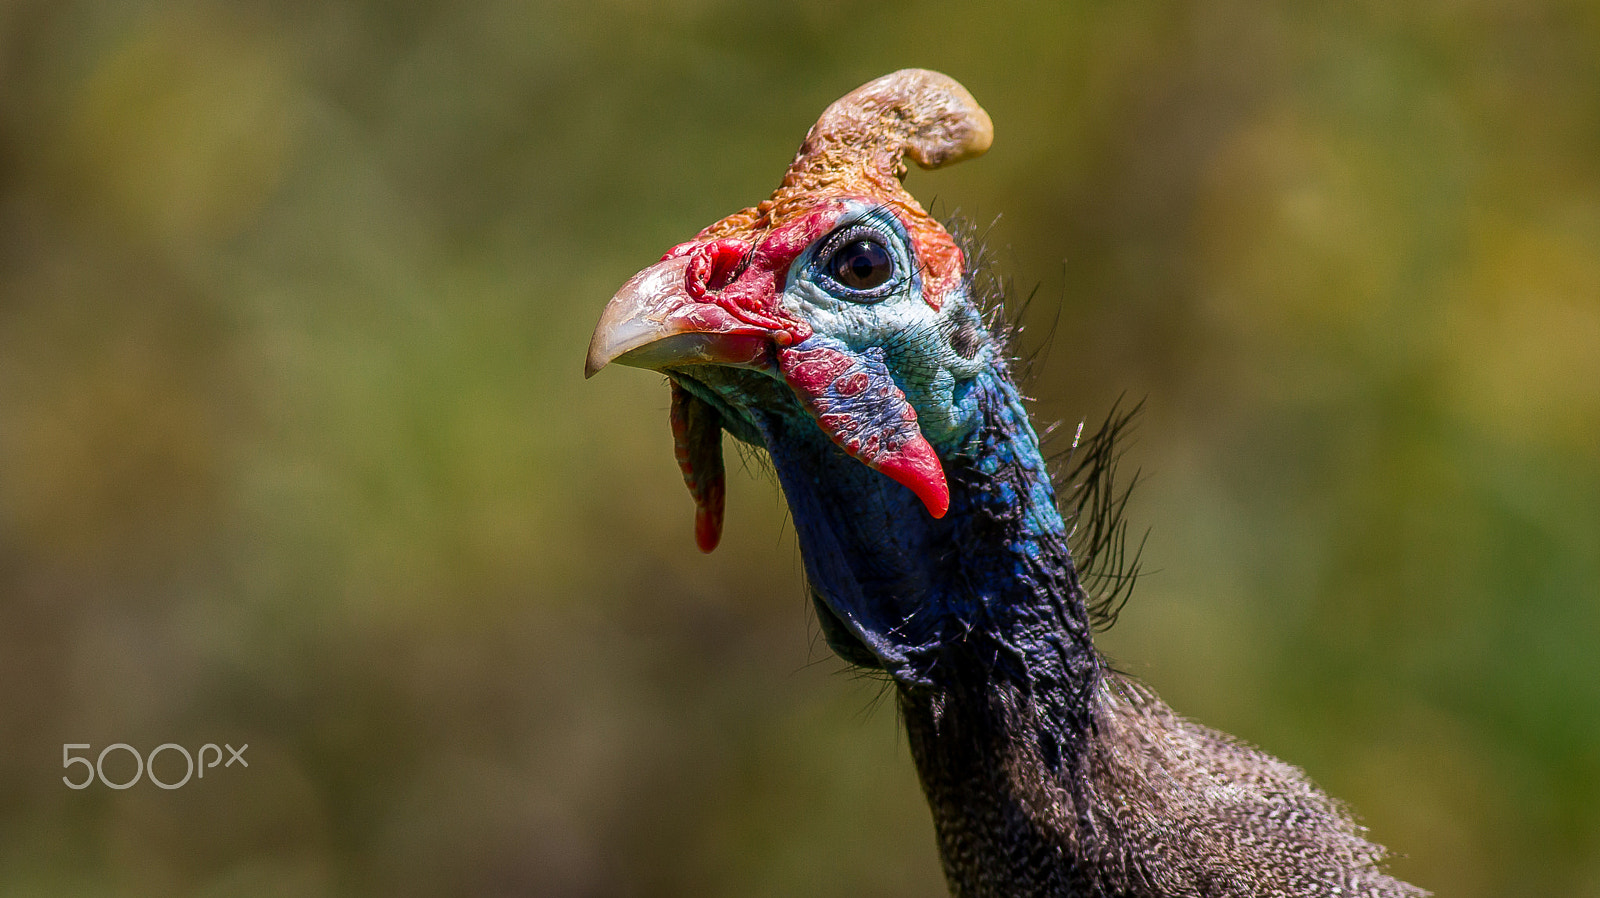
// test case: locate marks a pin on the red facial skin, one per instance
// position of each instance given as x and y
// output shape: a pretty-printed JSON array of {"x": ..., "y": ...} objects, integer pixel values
[{"x": 745, "y": 278}]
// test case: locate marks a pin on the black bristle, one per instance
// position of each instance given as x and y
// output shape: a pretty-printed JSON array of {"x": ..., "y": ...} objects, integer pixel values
[
  {"x": 1086, "y": 471},
  {"x": 1096, "y": 513}
]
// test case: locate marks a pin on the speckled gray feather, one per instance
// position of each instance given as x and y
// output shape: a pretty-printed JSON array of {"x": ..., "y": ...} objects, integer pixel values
[{"x": 1154, "y": 805}]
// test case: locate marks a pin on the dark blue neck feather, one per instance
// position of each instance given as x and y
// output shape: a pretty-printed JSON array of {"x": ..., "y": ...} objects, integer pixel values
[{"x": 988, "y": 591}]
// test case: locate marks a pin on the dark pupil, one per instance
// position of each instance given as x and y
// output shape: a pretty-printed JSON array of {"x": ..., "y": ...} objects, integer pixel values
[{"x": 862, "y": 265}]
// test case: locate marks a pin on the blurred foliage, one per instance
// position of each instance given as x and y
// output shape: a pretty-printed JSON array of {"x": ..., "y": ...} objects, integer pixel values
[{"x": 295, "y": 452}]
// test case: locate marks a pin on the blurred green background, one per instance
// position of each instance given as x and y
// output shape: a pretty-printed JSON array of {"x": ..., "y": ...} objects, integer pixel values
[{"x": 295, "y": 450}]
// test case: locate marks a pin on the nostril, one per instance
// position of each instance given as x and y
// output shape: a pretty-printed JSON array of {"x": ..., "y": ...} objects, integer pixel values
[
  {"x": 727, "y": 258},
  {"x": 714, "y": 265}
]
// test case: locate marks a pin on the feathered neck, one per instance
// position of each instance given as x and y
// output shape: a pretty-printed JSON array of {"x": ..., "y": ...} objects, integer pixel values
[
  {"x": 1019, "y": 613},
  {"x": 1000, "y": 728},
  {"x": 1049, "y": 775},
  {"x": 978, "y": 617}
]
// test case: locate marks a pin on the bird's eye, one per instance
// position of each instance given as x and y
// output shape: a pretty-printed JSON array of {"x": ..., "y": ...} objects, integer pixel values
[{"x": 861, "y": 265}]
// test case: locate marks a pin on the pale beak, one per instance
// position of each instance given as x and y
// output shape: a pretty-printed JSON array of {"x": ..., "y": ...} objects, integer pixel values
[{"x": 654, "y": 323}]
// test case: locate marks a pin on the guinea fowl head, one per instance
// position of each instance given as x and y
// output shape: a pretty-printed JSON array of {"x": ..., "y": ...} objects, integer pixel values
[{"x": 833, "y": 325}]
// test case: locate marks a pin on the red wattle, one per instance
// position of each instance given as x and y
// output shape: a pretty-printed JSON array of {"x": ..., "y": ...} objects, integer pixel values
[
  {"x": 858, "y": 405},
  {"x": 917, "y": 468},
  {"x": 697, "y": 442}
]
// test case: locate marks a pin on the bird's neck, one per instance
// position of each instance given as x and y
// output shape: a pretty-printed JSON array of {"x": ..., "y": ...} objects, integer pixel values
[
  {"x": 977, "y": 616},
  {"x": 1047, "y": 775},
  {"x": 1016, "y": 617},
  {"x": 1001, "y": 735}
]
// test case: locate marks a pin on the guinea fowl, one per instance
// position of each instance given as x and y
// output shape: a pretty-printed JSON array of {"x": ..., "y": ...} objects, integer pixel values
[{"x": 836, "y": 326}]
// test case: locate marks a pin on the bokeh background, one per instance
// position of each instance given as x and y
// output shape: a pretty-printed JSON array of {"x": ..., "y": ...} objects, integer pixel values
[{"x": 295, "y": 449}]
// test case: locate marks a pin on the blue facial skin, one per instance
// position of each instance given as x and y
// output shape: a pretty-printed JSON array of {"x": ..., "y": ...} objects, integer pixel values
[{"x": 992, "y": 581}]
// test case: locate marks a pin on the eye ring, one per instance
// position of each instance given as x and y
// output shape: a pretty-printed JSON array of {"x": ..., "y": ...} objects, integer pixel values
[{"x": 859, "y": 264}]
